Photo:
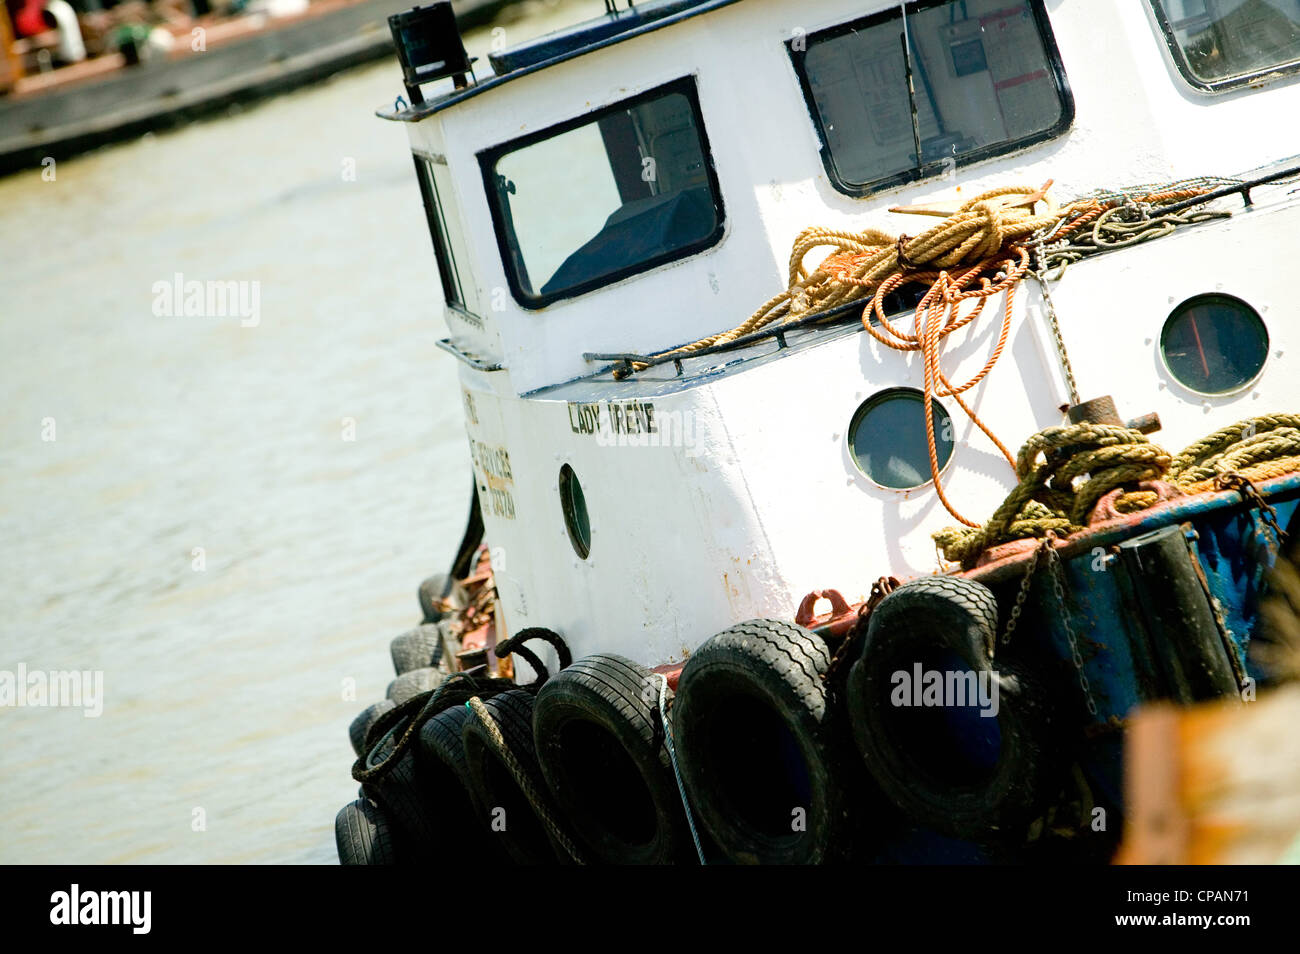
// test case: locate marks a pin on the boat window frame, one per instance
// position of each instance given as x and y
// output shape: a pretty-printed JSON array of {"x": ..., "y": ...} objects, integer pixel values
[
  {"x": 688, "y": 87},
  {"x": 870, "y": 402},
  {"x": 453, "y": 289},
  {"x": 1212, "y": 87},
  {"x": 928, "y": 170},
  {"x": 1244, "y": 309}
]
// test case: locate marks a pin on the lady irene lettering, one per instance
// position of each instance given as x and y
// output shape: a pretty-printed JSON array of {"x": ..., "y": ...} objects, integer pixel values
[{"x": 630, "y": 417}]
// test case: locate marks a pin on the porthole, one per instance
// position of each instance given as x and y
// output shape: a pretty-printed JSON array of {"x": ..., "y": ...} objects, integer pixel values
[
  {"x": 887, "y": 438},
  {"x": 574, "y": 505},
  {"x": 1214, "y": 344}
]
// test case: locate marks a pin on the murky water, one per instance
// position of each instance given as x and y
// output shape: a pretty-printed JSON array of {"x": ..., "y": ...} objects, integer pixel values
[{"x": 181, "y": 506}]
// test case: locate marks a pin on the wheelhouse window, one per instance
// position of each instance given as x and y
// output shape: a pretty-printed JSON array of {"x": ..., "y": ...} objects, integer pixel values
[
  {"x": 1222, "y": 44},
  {"x": 448, "y": 241},
  {"x": 897, "y": 98},
  {"x": 612, "y": 194}
]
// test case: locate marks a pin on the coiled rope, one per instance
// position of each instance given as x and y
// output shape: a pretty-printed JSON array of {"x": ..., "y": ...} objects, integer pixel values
[
  {"x": 405, "y": 721},
  {"x": 981, "y": 250},
  {"x": 1065, "y": 472},
  {"x": 861, "y": 260},
  {"x": 402, "y": 725}
]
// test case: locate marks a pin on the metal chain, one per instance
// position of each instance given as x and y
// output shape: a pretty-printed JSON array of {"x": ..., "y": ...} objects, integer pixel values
[
  {"x": 672, "y": 757},
  {"x": 1040, "y": 275},
  {"x": 1249, "y": 492},
  {"x": 1058, "y": 579},
  {"x": 1021, "y": 596},
  {"x": 1128, "y": 221}
]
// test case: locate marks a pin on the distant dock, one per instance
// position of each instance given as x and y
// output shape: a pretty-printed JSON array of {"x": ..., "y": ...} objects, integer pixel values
[{"x": 95, "y": 103}]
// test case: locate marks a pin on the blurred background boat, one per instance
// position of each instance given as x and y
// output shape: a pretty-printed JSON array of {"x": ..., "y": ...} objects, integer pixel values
[{"x": 77, "y": 74}]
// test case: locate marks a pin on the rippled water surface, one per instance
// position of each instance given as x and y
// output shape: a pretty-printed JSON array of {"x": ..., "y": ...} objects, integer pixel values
[{"x": 224, "y": 687}]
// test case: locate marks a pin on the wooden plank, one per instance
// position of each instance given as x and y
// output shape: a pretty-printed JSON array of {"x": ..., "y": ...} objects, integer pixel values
[
  {"x": 945, "y": 209},
  {"x": 1214, "y": 784}
]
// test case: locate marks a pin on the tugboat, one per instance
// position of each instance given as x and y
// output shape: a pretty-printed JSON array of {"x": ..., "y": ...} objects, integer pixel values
[{"x": 752, "y": 304}]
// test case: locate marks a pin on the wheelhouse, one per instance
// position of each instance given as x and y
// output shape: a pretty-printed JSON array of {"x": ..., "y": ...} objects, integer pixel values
[{"x": 627, "y": 172}]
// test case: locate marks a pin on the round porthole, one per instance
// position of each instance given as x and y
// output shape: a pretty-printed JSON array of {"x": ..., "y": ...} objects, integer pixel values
[
  {"x": 574, "y": 505},
  {"x": 887, "y": 438},
  {"x": 1214, "y": 344}
]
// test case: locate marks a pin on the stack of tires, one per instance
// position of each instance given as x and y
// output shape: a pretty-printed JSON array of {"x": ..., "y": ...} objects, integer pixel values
[
  {"x": 786, "y": 762},
  {"x": 781, "y": 760}
]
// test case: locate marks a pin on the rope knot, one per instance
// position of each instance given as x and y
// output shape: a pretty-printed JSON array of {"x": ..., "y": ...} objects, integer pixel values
[{"x": 904, "y": 262}]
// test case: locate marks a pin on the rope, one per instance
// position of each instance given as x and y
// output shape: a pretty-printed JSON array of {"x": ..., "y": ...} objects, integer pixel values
[
  {"x": 507, "y": 646},
  {"x": 1258, "y": 449},
  {"x": 456, "y": 689},
  {"x": 861, "y": 260},
  {"x": 517, "y": 772},
  {"x": 937, "y": 317},
  {"x": 672, "y": 757},
  {"x": 1065, "y": 472},
  {"x": 978, "y": 252}
]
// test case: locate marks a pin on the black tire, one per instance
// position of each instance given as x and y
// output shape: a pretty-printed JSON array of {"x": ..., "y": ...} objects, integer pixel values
[
  {"x": 442, "y": 771},
  {"x": 511, "y": 817},
  {"x": 362, "y": 835},
  {"x": 404, "y": 802},
  {"x": 410, "y": 684},
  {"x": 945, "y": 765},
  {"x": 600, "y": 747},
  {"x": 359, "y": 730},
  {"x": 760, "y": 750},
  {"x": 429, "y": 593},
  {"x": 419, "y": 648}
]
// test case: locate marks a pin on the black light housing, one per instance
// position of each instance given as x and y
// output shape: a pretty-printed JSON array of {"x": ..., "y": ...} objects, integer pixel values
[{"x": 428, "y": 46}]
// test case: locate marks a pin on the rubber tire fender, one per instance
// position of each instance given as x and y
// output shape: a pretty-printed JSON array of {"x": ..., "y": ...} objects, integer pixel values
[
  {"x": 524, "y": 835},
  {"x": 960, "y": 616},
  {"x": 403, "y": 800},
  {"x": 441, "y": 770},
  {"x": 362, "y": 835},
  {"x": 419, "y": 648},
  {"x": 751, "y": 718},
  {"x": 359, "y": 730},
  {"x": 600, "y": 747},
  {"x": 410, "y": 684}
]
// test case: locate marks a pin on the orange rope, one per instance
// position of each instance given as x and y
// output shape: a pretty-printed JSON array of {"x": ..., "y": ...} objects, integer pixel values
[
  {"x": 984, "y": 230},
  {"x": 937, "y": 316}
]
